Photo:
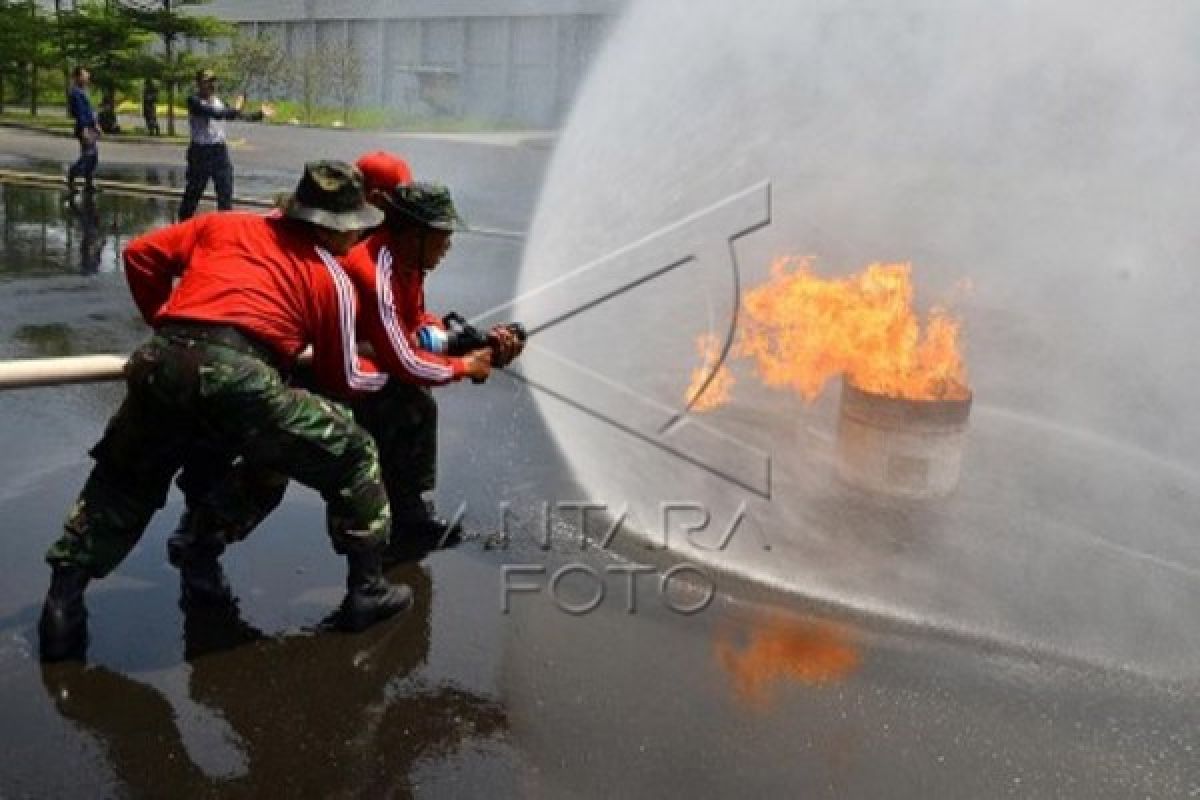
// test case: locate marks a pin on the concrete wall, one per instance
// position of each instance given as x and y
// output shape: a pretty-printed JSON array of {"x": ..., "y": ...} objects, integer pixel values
[
  {"x": 248, "y": 10},
  {"x": 514, "y": 60}
]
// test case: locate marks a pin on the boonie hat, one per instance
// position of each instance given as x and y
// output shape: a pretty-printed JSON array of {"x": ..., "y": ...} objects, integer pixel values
[
  {"x": 429, "y": 204},
  {"x": 330, "y": 194}
]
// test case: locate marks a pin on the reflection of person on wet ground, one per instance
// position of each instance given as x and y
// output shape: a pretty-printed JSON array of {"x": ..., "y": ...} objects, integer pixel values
[
  {"x": 87, "y": 214},
  {"x": 312, "y": 716}
]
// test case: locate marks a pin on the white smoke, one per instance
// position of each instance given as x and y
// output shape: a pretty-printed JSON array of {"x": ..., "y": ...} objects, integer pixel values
[{"x": 1046, "y": 152}]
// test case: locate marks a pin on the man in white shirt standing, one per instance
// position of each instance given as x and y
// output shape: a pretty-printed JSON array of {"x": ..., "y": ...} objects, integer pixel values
[{"x": 208, "y": 154}]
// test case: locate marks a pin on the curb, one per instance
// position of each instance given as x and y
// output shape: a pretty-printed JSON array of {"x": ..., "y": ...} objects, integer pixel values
[{"x": 115, "y": 138}]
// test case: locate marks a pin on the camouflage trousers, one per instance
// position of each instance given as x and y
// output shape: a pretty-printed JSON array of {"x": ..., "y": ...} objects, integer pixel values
[
  {"x": 402, "y": 420},
  {"x": 194, "y": 405}
]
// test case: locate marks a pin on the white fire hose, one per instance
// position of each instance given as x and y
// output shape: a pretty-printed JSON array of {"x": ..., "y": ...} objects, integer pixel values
[{"x": 32, "y": 372}]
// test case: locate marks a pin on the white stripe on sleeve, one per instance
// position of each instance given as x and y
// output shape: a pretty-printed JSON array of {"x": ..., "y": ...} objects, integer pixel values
[
  {"x": 412, "y": 363},
  {"x": 356, "y": 378}
]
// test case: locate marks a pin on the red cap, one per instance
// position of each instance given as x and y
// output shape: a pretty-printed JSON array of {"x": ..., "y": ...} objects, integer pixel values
[{"x": 383, "y": 171}]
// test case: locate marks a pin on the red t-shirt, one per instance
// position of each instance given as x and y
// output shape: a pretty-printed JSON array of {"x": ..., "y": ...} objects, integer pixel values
[
  {"x": 391, "y": 309},
  {"x": 262, "y": 275}
]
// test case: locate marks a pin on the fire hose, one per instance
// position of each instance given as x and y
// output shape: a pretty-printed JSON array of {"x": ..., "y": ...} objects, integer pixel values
[{"x": 31, "y": 373}]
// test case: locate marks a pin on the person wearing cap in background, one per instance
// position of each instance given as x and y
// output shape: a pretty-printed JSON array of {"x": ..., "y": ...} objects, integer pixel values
[
  {"x": 252, "y": 293},
  {"x": 208, "y": 152}
]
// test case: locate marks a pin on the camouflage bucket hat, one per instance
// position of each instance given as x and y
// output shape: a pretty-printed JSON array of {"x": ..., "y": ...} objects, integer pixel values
[
  {"x": 429, "y": 204},
  {"x": 331, "y": 195}
]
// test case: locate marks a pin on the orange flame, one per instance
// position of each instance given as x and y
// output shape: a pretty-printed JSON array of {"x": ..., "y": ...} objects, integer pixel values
[
  {"x": 802, "y": 330},
  {"x": 782, "y": 648},
  {"x": 717, "y": 392}
]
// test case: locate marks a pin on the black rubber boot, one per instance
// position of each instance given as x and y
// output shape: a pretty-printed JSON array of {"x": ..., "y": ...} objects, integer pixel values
[
  {"x": 62, "y": 629},
  {"x": 369, "y": 597},
  {"x": 417, "y": 531},
  {"x": 202, "y": 581}
]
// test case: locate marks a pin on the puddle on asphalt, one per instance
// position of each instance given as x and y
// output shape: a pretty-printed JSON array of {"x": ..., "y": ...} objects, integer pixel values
[
  {"x": 43, "y": 233},
  {"x": 62, "y": 291},
  {"x": 212, "y": 725}
]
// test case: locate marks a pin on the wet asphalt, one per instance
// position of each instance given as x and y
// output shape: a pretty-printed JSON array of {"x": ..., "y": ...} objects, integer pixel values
[{"x": 758, "y": 694}]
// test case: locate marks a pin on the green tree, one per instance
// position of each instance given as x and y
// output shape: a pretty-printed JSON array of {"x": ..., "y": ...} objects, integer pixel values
[
  {"x": 43, "y": 52},
  {"x": 346, "y": 77},
  {"x": 26, "y": 47},
  {"x": 172, "y": 23},
  {"x": 257, "y": 65},
  {"x": 312, "y": 78},
  {"x": 104, "y": 37},
  {"x": 59, "y": 32},
  {"x": 11, "y": 36}
]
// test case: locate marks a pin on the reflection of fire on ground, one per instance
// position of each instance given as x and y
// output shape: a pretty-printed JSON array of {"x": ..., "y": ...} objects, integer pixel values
[
  {"x": 801, "y": 330},
  {"x": 782, "y": 649}
]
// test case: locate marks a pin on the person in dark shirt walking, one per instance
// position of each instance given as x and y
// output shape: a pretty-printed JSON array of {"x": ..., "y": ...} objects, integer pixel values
[
  {"x": 80, "y": 109},
  {"x": 208, "y": 154}
]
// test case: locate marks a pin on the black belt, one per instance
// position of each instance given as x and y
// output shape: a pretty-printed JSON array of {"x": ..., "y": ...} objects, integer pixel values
[{"x": 221, "y": 335}]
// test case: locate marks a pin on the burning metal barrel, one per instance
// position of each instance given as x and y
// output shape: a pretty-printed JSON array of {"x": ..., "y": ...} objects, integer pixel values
[{"x": 901, "y": 447}]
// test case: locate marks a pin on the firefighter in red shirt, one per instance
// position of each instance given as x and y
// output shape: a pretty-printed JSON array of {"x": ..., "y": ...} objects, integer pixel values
[
  {"x": 388, "y": 269},
  {"x": 252, "y": 293},
  {"x": 408, "y": 343}
]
